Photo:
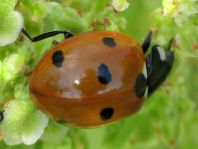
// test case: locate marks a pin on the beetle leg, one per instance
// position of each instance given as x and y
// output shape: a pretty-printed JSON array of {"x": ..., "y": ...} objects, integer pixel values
[
  {"x": 147, "y": 42},
  {"x": 1, "y": 115},
  {"x": 46, "y": 35},
  {"x": 159, "y": 64},
  {"x": 55, "y": 42}
]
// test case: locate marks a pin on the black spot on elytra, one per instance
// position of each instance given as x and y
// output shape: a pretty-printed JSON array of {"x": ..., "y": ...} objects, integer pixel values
[
  {"x": 104, "y": 75},
  {"x": 141, "y": 84},
  {"x": 58, "y": 58},
  {"x": 106, "y": 113},
  {"x": 108, "y": 41}
]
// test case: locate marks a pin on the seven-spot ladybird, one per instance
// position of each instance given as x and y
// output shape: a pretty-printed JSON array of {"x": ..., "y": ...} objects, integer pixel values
[{"x": 96, "y": 77}]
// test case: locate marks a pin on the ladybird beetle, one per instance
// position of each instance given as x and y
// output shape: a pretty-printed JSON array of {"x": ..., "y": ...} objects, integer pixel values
[{"x": 96, "y": 77}]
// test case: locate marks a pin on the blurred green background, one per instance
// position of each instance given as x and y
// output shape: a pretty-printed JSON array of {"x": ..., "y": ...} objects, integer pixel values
[{"x": 168, "y": 119}]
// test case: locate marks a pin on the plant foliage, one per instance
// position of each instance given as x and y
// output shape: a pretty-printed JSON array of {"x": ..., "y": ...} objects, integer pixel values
[{"x": 168, "y": 118}]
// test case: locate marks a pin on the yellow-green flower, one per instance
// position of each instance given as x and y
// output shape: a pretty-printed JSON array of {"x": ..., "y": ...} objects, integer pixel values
[
  {"x": 11, "y": 22},
  {"x": 120, "y": 5}
]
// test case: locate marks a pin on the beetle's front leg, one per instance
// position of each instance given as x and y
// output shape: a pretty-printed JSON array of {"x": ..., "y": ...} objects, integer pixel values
[
  {"x": 159, "y": 64},
  {"x": 46, "y": 35},
  {"x": 147, "y": 42}
]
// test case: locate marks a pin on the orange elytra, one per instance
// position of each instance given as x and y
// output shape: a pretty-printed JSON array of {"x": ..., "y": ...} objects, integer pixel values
[{"x": 96, "y": 78}]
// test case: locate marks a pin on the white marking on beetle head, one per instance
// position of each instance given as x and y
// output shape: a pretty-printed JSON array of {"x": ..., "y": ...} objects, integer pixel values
[
  {"x": 161, "y": 53},
  {"x": 146, "y": 93},
  {"x": 144, "y": 71}
]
